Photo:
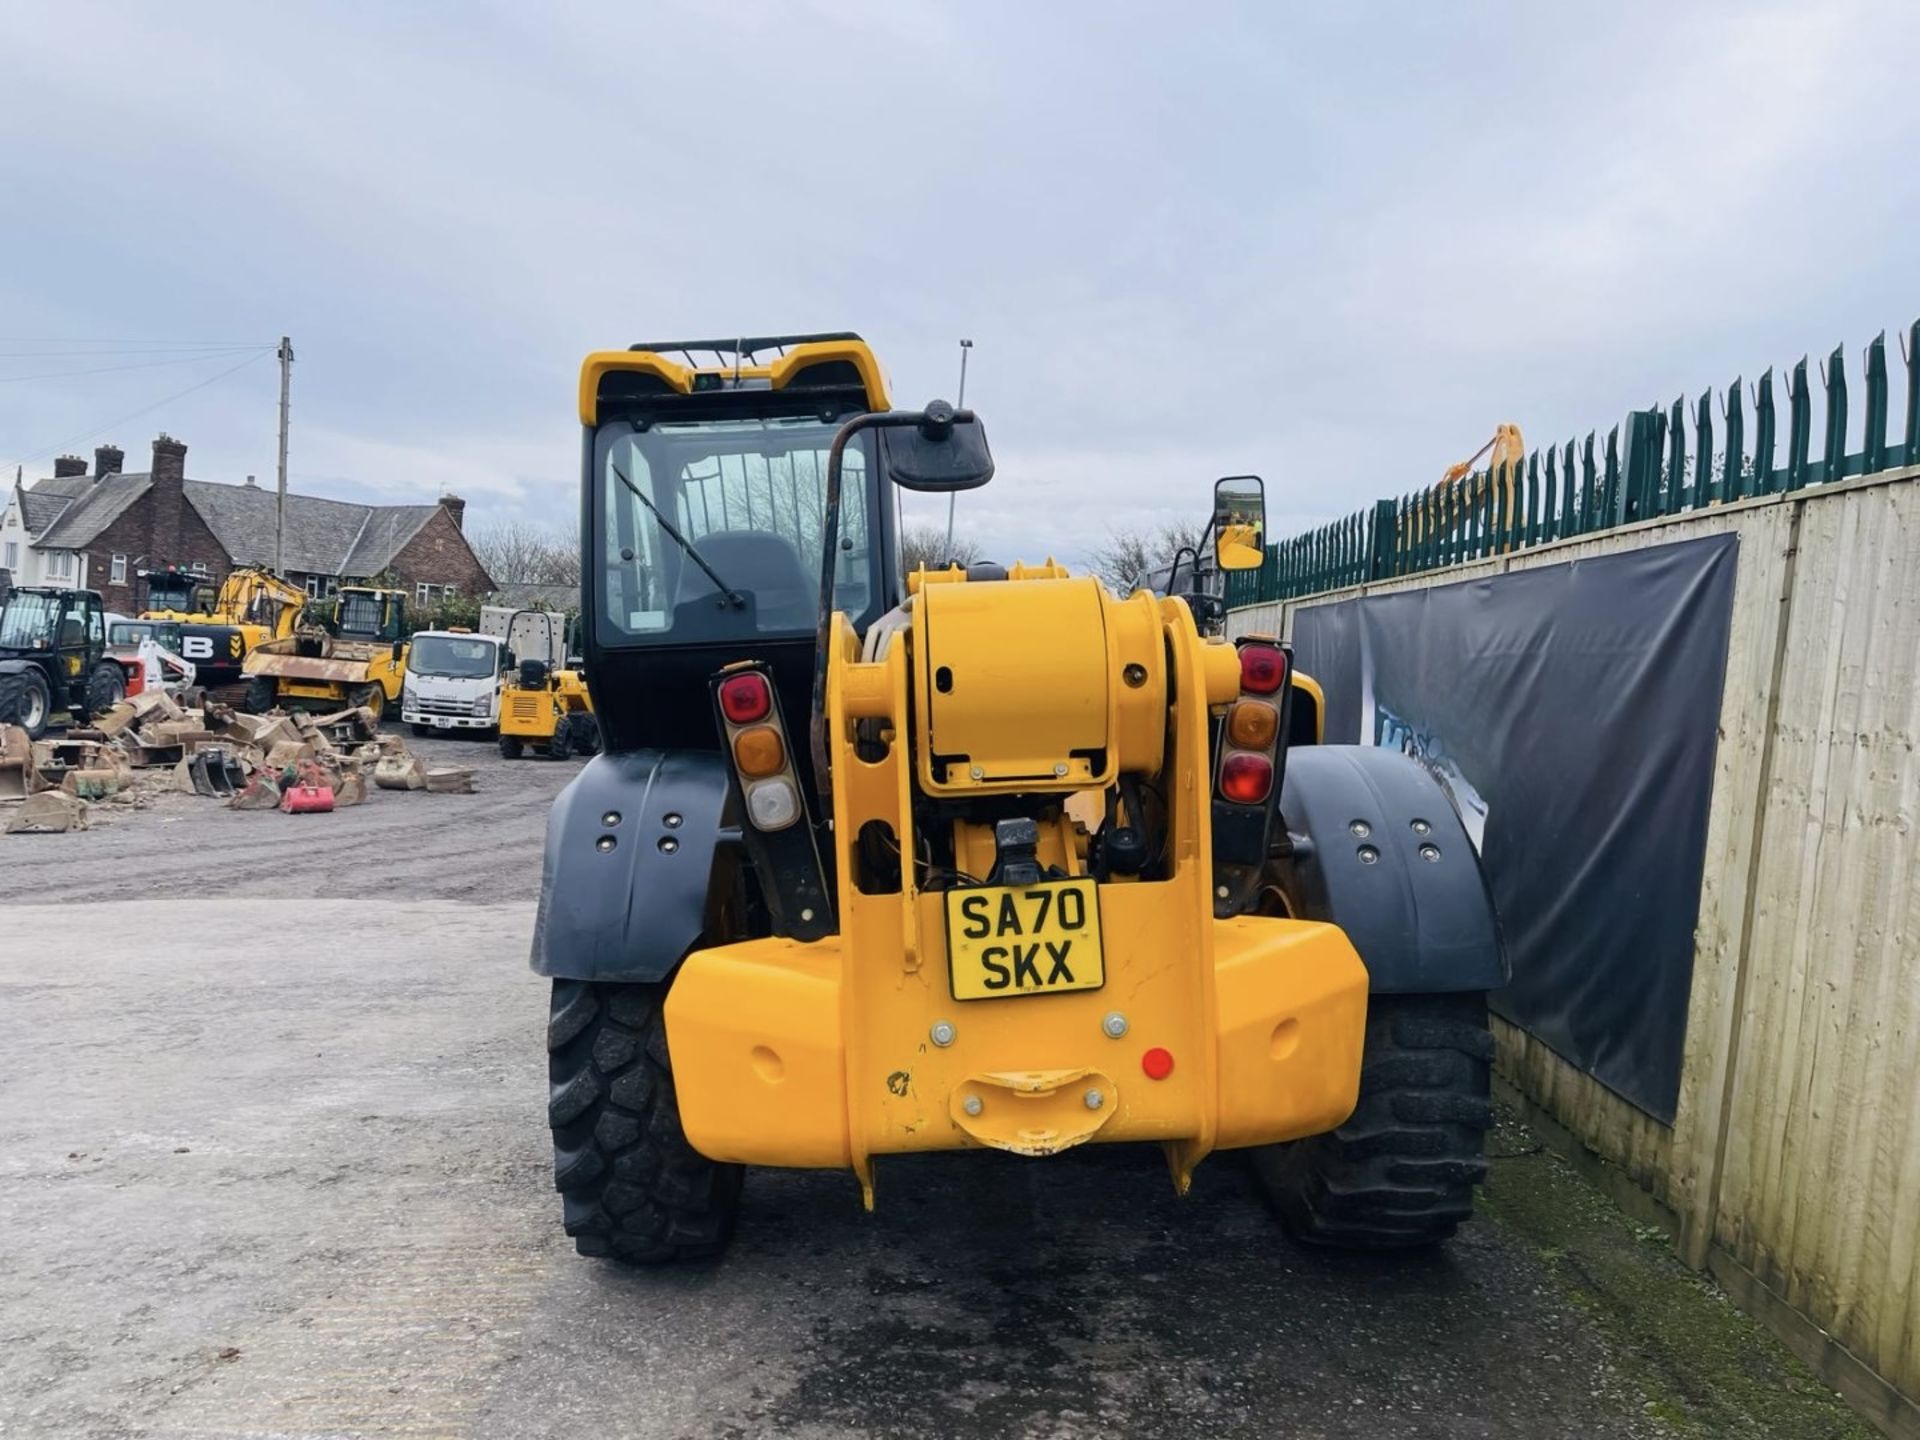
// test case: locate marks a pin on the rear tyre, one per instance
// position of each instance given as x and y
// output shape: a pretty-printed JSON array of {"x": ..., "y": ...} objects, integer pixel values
[
  {"x": 106, "y": 688},
  {"x": 1400, "y": 1172},
  {"x": 510, "y": 747},
  {"x": 24, "y": 702},
  {"x": 586, "y": 733},
  {"x": 262, "y": 695},
  {"x": 560, "y": 746},
  {"x": 632, "y": 1189}
]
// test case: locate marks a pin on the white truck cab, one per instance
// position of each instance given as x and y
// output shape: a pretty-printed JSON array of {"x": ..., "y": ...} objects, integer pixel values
[{"x": 453, "y": 682}]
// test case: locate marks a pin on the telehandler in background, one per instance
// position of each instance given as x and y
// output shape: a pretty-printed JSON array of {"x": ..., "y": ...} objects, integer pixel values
[
  {"x": 349, "y": 649},
  {"x": 982, "y": 858},
  {"x": 218, "y": 628},
  {"x": 53, "y": 658},
  {"x": 545, "y": 705}
]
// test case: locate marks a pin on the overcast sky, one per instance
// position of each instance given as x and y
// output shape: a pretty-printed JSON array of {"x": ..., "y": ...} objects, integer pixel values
[{"x": 1330, "y": 244}]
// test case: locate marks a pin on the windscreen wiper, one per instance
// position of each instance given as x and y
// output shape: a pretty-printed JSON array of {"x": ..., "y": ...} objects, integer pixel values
[{"x": 729, "y": 596}]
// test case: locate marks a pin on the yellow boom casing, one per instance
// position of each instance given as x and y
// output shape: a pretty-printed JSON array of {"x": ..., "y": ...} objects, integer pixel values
[{"x": 824, "y": 1054}]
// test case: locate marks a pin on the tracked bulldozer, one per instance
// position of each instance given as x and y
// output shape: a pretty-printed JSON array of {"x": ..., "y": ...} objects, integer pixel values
[{"x": 984, "y": 858}]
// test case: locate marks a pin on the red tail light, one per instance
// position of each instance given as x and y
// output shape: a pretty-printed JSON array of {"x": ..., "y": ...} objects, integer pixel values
[
  {"x": 1246, "y": 779},
  {"x": 745, "y": 699},
  {"x": 1263, "y": 669}
]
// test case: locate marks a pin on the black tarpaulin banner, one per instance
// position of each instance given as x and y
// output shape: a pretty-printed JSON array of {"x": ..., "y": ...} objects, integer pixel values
[{"x": 1572, "y": 713}]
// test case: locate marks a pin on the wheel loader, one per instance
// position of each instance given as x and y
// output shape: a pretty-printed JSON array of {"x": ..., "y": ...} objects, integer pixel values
[
  {"x": 982, "y": 858},
  {"x": 349, "y": 649}
]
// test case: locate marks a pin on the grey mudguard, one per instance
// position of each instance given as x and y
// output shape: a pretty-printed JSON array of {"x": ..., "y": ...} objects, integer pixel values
[
  {"x": 1424, "y": 923},
  {"x": 632, "y": 910}
]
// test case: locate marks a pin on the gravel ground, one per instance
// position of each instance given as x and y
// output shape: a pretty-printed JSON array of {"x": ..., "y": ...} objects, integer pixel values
[
  {"x": 280, "y": 1169},
  {"x": 398, "y": 844}
]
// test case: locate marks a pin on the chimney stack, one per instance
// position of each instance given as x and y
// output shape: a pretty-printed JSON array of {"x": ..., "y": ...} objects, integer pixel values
[
  {"x": 169, "y": 501},
  {"x": 107, "y": 460},
  {"x": 457, "y": 508},
  {"x": 67, "y": 466},
  {"x": 252, "y": 484},
  {"x": 169, "y": 458}
]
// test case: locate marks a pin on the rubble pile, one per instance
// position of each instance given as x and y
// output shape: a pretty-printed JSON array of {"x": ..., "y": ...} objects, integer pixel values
[{"x": 149, "y": 744}]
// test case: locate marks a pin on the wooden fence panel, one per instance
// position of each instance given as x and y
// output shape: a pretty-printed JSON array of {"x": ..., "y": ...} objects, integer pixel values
[{"x": 1794, "y": 1156}]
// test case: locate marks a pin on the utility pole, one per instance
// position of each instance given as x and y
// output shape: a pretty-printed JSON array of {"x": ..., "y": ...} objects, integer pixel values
[
  {"x": 280, "y": 503},
  {"x": 959, "y": 403}
]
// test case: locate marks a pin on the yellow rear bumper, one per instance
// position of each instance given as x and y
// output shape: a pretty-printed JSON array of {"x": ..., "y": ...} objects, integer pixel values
[{"x": 788, "y": 1054}]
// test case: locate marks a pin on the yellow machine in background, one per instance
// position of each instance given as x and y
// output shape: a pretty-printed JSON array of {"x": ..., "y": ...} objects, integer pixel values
[
  {"x": 218, "y": 629},
  {"x": 545, "y": 704},
  {"x": 350, "y": 649}
]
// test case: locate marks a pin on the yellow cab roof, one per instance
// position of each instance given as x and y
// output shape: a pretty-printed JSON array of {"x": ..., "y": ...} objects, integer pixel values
[{"x": 840, "y": 362}]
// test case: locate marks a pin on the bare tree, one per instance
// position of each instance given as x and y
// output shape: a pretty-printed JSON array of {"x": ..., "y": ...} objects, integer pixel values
[
  {"x": 520, "y": 552},
  {"x": 1127, "y": 555},
  {"x": 927, "y": 545}
]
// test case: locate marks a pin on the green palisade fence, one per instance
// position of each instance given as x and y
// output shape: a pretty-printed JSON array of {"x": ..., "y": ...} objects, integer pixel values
[{"x": 1661, "y": 462}]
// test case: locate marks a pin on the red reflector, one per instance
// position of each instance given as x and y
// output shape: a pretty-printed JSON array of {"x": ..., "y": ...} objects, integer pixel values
[
  {"x": 1157, "y": 1063},
  {"x": 1263, "y": 668},
  {"x": 745, "y": 699},
  {"x": 1246, "y": 779}
]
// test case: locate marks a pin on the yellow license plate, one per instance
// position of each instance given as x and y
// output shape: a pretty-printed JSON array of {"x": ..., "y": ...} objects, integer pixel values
[{"x": 1039, "y": 939}]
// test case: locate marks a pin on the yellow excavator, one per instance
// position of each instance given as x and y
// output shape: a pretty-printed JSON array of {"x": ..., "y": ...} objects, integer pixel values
[
  {"x": 1461, "y": 488},
  {"x": 219, "y": 628}
]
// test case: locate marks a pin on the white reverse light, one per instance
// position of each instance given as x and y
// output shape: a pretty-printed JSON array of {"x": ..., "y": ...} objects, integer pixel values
[{"x": 773, "y": 804}]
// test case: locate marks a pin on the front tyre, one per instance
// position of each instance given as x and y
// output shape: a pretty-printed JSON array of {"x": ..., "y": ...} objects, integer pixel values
[
  {"x": 1400, "y": 1171},
  {"x": 24, "y": 701},
  {"x": 262, "y": 695},
  {"x": 632, "y": 1188},
  {"x": 106, "y": 688}
]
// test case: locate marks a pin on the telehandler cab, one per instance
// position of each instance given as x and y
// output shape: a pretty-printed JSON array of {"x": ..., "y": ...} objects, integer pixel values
[{"x": 989, "y": 857}]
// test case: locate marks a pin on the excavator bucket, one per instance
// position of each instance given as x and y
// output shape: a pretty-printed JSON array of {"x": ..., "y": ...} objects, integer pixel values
[
  {"x": 16, "y": 757},
  {"x": 214, "y": 772}
]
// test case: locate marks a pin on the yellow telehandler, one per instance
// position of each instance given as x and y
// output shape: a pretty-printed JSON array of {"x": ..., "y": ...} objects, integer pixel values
[{"x": 988, "y": 858}]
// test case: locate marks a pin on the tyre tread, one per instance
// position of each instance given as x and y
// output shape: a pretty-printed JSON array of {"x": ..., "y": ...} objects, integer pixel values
[
  {"x": 1401, "y": 1170},
  {"x": 632, "y": 1188}
]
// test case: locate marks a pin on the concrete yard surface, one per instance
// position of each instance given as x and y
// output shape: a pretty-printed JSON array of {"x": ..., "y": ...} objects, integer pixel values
[{"x": 278, "y": 1167}]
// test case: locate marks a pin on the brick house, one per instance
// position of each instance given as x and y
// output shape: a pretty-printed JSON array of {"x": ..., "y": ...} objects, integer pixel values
[{"x": 101, "y": 530}]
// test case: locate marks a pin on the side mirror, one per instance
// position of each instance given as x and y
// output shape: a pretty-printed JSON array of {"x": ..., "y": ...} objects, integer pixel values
[
  {"x": 946, "y": 450},
  {"x": 1239, "y": 522}
]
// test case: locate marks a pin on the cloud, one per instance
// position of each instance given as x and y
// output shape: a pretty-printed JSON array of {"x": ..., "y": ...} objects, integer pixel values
[{"x": 1331, "y": 246}]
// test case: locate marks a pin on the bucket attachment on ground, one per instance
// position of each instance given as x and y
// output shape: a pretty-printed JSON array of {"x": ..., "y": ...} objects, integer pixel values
[
  {"x": 214, "y": 771},
  {"x": 48, "y": 813},
  {"x": 16, "y": 762},
  {"x": 307, "y": 799}
]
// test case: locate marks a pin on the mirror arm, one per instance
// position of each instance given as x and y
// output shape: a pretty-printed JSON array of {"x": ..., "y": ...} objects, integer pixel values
[
  {"x": 823, "y": 630},
  {"x": 937, "y": 421}
]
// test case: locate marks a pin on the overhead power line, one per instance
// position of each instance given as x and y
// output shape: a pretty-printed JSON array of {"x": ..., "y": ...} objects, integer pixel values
[
  {"x": 113, "y": 369},
  {"x": 61, "y": 445}
]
